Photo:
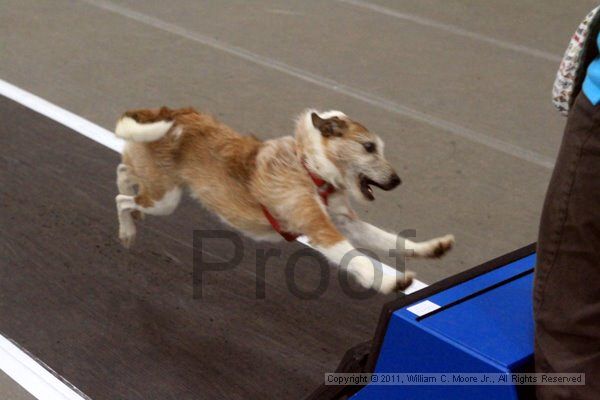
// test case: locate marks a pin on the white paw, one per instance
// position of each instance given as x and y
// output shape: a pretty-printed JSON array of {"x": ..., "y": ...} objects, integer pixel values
[
  {"x": 364, "y": 272},
  {"x": 441, "y": 246},
  {"x": 127, "y": 234},
  {"x": 434, "y": 248},
  {"x": 395, "y": 283}
]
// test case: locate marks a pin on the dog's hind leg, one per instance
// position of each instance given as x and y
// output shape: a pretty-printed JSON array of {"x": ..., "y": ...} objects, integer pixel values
[
  {"x": 126, "y": 184},
  {"x": 157, "y": 204},
  {"x": 125, "y": 215}
]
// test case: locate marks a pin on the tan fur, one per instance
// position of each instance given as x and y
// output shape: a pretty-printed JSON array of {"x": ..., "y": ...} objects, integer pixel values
[
  {"x": 211, "y": 159},
  {"x": 234, "y": 175}
]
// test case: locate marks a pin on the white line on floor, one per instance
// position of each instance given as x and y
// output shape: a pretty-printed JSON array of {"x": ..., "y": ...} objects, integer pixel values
[
  {"x": 58, "y": 114},
  {"x": 453, "y": 29},
  {"x": 32, "y": 376},
  {"x": 108, "y": 139},
  {"x": 376, "y": 101}
]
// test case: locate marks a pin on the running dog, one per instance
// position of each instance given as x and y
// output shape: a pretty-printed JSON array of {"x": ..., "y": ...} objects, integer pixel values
[{"x": 269, "y": 189}]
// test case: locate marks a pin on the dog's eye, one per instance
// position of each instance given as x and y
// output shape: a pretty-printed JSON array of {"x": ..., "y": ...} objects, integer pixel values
[{"x": 370, "y": 147}]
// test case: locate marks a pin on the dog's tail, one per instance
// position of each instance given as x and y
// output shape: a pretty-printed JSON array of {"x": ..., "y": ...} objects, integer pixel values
[{"x": 144, "y": 125}]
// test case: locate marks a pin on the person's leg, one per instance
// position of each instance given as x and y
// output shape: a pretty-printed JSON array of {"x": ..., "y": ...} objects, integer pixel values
[{"x": 567, "y": 278}]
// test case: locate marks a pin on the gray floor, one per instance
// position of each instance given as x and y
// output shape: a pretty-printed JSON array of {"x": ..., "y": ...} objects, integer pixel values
[
  {"x": 10, "y": 390},
  {"x": 459, "y": 90}
]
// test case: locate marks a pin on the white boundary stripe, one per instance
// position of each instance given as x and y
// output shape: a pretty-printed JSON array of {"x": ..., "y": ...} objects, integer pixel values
[
  {"x": 58, "y": 114},
  {"x": 106, "y": 138},
  {"x": 32, "y": 376},
  {"x": 358, "y": 94},
  {"x": 453, "y": 29}
]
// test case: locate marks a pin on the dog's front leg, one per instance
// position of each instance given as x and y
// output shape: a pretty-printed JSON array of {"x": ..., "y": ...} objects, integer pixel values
[
  {"x": 327, "y": 239},
  {"x": 364, "y": 235},
  {"x": 369, "y": 236},
  {"x": 362, "y": 268}
]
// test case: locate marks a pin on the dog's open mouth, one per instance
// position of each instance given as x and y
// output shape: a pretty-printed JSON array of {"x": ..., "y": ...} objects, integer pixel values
[
  {"x": 365, "y": 187},
  {"x": 365, "y": 184}
]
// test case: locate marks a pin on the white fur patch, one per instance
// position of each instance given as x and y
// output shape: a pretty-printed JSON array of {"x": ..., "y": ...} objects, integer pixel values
[
  {"x": 336, "y": 252},
  {"x": 360, "y": 266},
  {"x": 177, "y": 132},
  {"x": 129, "y": 129},
  {"x": 314, "y": 151},
  {"x": 166, "y": 205},
  {"x": 331, "y": 113},
  {"x": 347, "y": 257}
]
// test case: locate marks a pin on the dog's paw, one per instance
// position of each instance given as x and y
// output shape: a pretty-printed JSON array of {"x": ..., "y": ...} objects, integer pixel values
[
  {"x": 394, "y": 283},
  {"x": 442, "y": 246},
  {"x": 406, "y": 281},
  {"x": 127, "y": 235},
  {"x": 363, "y": 271}
]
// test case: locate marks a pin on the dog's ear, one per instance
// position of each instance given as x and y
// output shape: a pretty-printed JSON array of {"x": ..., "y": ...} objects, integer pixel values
[{"x": 329, "y": 127}]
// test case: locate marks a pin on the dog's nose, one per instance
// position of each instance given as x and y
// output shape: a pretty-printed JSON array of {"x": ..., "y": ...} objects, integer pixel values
[{"x": 394, "y": 181}]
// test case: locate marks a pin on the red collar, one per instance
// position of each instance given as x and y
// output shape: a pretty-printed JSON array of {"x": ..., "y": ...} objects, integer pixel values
[{"x": 324, "y": 189}]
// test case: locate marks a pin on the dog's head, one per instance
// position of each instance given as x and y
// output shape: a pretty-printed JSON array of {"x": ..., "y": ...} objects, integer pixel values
[{"x": 345, "y": 153}]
